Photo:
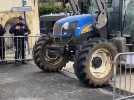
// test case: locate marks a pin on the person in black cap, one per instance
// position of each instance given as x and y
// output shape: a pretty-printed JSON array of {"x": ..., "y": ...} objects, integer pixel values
[
  {"x": 19, "y": 30},
  {"x": 2, "y": 43}
]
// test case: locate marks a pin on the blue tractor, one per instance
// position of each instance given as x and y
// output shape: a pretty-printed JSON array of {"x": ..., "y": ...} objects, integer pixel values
[{"x": 90, "y": 40}]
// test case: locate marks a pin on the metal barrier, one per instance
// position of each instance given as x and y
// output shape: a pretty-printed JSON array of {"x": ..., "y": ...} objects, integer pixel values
[
  {"x": 11, "y": 47},
  {"x": 123, "y": 87}
]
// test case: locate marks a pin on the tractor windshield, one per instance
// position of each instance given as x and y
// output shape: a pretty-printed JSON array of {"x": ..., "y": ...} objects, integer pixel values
[
  {"x": 129, "y": 17},
  {"x": 93, "y": 8},
  {"x": 88, "y": 6}
]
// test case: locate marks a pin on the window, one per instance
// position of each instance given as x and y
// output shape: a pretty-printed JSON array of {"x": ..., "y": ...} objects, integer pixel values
[
  {"x": 93, "y": 8},
  {"x": 109, "y": 3},
  {"x": 129, "y": 17}
]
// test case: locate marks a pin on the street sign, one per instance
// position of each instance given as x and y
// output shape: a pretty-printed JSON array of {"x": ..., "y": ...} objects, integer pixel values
[{"x": 22, "y": 9}]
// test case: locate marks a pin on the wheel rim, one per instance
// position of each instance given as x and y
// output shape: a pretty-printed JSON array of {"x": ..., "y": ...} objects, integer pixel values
[
  {"x": 51, "y": 59},
  {"x": 100, "y": 63}
]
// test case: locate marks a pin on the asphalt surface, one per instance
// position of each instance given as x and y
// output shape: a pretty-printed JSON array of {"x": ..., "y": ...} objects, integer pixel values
[{"x": 27, "y": 82}]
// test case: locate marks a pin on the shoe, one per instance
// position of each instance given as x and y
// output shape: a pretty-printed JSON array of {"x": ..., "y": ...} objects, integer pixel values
[
  {"x": 23, "y": 62},
  {"x": 17, "y": 61},
  {"x": 2, "y": 62}
]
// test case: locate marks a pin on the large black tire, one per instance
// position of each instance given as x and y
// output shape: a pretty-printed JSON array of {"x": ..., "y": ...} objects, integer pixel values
[
  {"x": 39, "y": 58},
  {"x": 82, "y": 65}
]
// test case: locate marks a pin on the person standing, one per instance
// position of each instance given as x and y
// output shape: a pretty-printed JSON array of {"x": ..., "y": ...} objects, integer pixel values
[
  {"x": 2, "y": 43},
  {"x": 19, "y": 30}
]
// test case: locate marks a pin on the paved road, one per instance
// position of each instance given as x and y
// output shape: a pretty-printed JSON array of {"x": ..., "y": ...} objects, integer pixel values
[{"x": 27, "y": 82}]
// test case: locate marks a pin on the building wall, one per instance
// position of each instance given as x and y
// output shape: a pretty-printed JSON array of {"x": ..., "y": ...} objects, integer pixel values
[
  {"x": 32, "y": 18},
  {"x": 8, "y": 17}
]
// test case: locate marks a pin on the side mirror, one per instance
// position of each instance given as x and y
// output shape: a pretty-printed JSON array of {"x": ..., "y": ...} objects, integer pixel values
[{"x": 101, "y": 20}]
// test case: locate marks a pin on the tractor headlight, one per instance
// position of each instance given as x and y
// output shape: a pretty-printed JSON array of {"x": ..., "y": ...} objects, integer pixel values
[
  {"x": 69, "y": 28},
  {"x": 73, "y": 25},
  {"x": 66, "y": 26}
]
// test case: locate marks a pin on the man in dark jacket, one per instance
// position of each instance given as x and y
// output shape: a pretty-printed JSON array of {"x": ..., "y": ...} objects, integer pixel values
[
  {"x": 19, "y": 30},
  {"x": 2, "y": 43}
]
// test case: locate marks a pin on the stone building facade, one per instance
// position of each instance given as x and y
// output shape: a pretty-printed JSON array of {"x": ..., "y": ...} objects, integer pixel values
[{"x": 8, "y": 16}]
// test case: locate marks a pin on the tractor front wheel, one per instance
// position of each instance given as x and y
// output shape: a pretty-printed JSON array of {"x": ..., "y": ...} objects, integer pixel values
[
  {"x": 46, "y": 59},
  {"x": 94, "y": 64}
]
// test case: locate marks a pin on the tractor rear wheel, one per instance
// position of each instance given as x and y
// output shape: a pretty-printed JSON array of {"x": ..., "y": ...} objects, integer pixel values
[
  {"x": 44, "y": 59},
  {"x": 94, "y": 66}
]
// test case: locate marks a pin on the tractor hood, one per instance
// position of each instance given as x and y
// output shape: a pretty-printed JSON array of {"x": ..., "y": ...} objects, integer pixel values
[
  {"x": 77, "y": 21},
  {"x": 79, "y": 18}
]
